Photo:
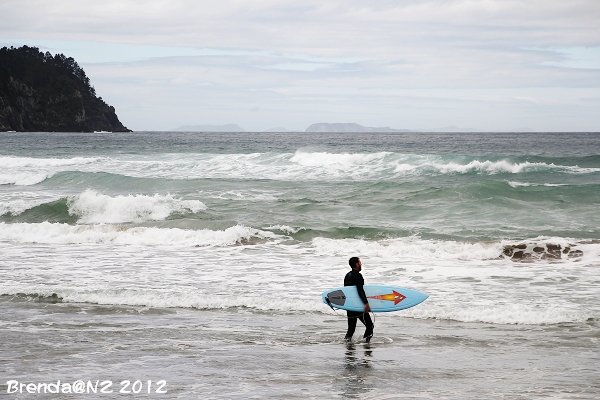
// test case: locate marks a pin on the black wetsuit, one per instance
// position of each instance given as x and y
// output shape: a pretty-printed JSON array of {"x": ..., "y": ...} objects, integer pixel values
[{"x": 354, "y": 278}]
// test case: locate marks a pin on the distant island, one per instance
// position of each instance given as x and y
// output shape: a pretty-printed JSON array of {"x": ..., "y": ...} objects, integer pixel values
[
  {"x": 40, "y": 92},
  {"x": 321, "y": 127},
  {"x": 349, "y": 127}
]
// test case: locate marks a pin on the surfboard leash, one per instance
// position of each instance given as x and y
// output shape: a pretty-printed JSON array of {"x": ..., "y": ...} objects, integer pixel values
[{"x": 329, "y": 303}]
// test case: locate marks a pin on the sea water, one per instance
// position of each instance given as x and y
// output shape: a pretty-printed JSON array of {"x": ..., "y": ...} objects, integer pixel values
[{"x": 198, "y": 259}]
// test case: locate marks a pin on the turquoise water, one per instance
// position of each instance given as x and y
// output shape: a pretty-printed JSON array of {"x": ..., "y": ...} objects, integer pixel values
[{"x": 447, "y": 186}]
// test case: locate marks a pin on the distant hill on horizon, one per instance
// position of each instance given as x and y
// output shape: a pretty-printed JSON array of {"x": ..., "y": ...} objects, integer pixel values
[
  {"x": 321, "y": 127},
  {"x": 349, "y": 127},
  {"x": 40, "y": 92}
]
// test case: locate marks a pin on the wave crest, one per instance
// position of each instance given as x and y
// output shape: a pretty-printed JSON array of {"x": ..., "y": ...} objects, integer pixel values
[
  {"x": 26, "y": 171},
  {"x": 58, "y": 233},
  {"x": 502, "y": 314},
  {"x": 92, "y": 207},
  {"x": 298, "y": 166}
]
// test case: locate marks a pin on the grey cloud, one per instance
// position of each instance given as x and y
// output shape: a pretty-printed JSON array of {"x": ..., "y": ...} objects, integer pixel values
[{"x": 302, "y": 61}]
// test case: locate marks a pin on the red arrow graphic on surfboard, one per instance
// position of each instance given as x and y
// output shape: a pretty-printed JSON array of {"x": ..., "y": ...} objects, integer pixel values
[{"x": 394, "y": 296}]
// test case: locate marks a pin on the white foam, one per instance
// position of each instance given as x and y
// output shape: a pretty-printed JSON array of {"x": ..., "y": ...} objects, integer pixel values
[
  {"x": 463, "y": 284},
  {"x": 242, "y": 195},
  {"x": 57, "y": 233},
  {"x": 17, "y": 202},
  {"x": 502, "y": 313},
  {"x": 332, "y": 164},
  {"x": 300, "y": 165},
  {"x": 494, "y": 167},
  {"x": 410, "y": 247},
  {"x": 590, "y": 248},
  {"x": 516, "y": 184},
  {"x": 93, "y": 207},
  {"x": 23, "y": 178},
  {"x": 433, "y": 165},
  {"x": 337, "y": 160},
  {"x": 491, "y": 167},
  {"x": 283, "y": 228},
  {"x": 474, "y": 311},
  {"x": 33, "y": 162},
  {"x": 26, "y": 171},
  {"x": 440, "y": 252},
  {"x": 179, "y": 298}
]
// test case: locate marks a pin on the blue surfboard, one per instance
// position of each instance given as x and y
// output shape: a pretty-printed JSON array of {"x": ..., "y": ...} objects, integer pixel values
[{"x": 382, "y": 298}]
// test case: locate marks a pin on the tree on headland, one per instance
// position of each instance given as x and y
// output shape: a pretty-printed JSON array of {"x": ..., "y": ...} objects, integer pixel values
[{"x": 44, "y": 92}]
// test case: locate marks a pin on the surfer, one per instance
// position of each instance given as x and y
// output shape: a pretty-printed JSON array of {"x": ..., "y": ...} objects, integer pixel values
[{"x": 354, "y": 278}]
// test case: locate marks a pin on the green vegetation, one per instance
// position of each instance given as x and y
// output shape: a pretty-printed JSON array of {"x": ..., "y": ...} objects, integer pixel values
[{"x": 42, "y": 92}]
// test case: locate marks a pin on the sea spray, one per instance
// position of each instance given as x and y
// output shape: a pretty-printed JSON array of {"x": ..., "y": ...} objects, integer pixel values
[
  {"x": 58, "y": 233},
  {"x": 297, "y": 166},
  {"x": 93, "y": 207}
]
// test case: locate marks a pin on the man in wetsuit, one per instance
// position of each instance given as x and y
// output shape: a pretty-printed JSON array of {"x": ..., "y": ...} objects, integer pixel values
[{"x": 354, "y": 278}]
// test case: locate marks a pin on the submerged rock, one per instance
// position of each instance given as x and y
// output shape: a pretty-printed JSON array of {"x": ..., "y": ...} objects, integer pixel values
[
  {"x": 529, "y": 252},
  {"x": 575, "y": 254}
]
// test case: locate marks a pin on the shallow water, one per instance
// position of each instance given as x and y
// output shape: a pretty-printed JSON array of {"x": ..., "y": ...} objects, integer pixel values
[{"x": 240, "y": 353}]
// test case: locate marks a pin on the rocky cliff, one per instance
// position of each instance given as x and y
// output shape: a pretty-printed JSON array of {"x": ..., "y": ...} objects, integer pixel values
[{"x": 40, "y": 92}]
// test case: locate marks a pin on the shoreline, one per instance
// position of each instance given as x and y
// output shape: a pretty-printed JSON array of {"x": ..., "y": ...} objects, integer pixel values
[{"x": 220, "y": 354}]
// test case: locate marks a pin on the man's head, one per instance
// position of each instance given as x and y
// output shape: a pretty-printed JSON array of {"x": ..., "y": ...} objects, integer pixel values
[{"x": 355, "y": 263}]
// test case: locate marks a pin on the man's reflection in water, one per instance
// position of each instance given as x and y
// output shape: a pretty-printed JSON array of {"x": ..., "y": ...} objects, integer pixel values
[{"x": 357, "y": 370}]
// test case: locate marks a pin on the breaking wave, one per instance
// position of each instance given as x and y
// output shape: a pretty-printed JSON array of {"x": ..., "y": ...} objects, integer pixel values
[
  {"x": 276, "y": 166},
  {"x": 25, "y": 171},
  {"x": 59, "y": 233},
  {"x": 91, "y": 207},
  {"x": 504, "y": 314},
  {"x": 501, "y": 313}
]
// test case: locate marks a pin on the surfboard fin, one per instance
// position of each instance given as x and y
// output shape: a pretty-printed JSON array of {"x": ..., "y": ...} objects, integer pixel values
[{"x": 329, "y": 303}]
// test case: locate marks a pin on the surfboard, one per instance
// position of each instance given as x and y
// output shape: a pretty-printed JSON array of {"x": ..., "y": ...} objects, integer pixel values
[{"x": 382, "y": 298}]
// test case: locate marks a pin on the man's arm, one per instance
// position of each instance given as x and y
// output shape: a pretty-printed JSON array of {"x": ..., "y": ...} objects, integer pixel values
[{"x": 362, "y": 294}]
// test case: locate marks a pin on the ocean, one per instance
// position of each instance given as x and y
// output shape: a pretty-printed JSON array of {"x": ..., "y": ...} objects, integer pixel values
[{"x": 191, "y": 264}]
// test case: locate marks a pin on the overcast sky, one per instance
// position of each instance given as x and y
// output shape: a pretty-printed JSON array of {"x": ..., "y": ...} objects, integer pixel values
[{"x": 487, "y": 65}]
